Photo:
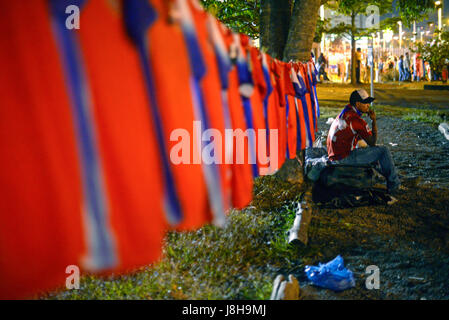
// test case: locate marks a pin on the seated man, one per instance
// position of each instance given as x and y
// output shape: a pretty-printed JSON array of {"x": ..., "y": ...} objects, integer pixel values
[{"x": 348, "y": 128}]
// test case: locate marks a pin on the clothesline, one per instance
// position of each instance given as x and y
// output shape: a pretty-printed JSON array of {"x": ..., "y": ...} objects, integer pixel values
[{"x": 91, "y": 120}]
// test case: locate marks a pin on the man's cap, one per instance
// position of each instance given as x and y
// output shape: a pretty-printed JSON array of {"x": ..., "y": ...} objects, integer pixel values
[{"x": 360, "y": 95}]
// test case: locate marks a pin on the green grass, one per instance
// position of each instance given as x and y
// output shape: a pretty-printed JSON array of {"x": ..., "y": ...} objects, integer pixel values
[
  {"x": 329, "y": 111},
  {"x": 238, "y": 261},
  {"x": 434, "y": 117},
  {"x": 422, "y": 114}
]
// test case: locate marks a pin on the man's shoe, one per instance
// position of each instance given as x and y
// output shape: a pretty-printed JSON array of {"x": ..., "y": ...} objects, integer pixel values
[{"x": 392, "y": 200}]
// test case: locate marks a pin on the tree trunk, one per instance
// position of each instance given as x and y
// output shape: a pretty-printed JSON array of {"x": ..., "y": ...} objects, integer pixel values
[
  {"x": 302, "y": 30},
  {"x": 287, "y": 28},
  {"x": 353, "y": 55},
  {"x": 279, "y": 26},
  {"x": 264, "y": 26}
]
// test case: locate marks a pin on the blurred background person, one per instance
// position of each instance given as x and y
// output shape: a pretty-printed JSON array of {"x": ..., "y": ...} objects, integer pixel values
[
  {"x": 419, "y": 69},
  {"x": 367, "y": 70},
  {"x": 322, "y": 64},
  {"x": 358, "y": 63},
  {"x": 347, "y": 69},
  {"x": 428, "y": 71},
  {"x": 444, "y": 74},
  {"x": 380, "y": 69},
  {"x": 407, "y": 66},
  {"x": 401, "y": 68},
  {"x": 396, "y": 67}
]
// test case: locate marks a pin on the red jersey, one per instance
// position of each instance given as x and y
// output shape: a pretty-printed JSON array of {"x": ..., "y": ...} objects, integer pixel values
[
  {"x": 169, "y": 61},
  {"x": 255, "y": 67},
  {"x": 307, "y": 102},
  {"x": 212, "y": 94},
  {"x": 344, "y": 133},
  {"x": 41, "y": 229},
  {"x": 242, "y": 179},
  {"x": 291, "y": 110},
  {"x": 277, "y": 69},
  {"x": 126, "y": 140}
]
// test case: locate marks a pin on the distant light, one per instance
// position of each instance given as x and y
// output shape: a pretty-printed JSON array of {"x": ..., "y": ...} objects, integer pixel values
[
  {"x": 437, "y": 3},
  {"x": 388, "y": 34}
]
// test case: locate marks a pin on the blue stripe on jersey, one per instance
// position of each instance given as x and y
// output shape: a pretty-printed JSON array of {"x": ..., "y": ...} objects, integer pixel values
[
  {"x": 316, "y": 102},
  {"x": 224, "y": 67},
  {"x": 245, "y": 77},
  {"x": 266, "y": 76},
  {"x": 312, "y": 99},
  {"x": 315, "y": 82},
  {"x": 251, "y": 141},
  {"x": 100, "y": 241},
  {"x": 197, "y": 62},
  {"x": 298, "y": 129},
  {"x": 138, "y": 17},
  {"x": 306, "y": 112},
  {"x": 287, "y": 109},
  {"x": 244, "y": 74},
  {"x": 307, "y": 121},
  {"x": 298, "y": 91},
  {"x": 198, "y": 67},
  {"x": 211, "y": 174}
]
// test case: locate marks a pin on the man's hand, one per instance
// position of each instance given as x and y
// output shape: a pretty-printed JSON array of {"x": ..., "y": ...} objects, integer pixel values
[
  {"x": 372, "y": 114},
  {"x": 371, "y": 141}
]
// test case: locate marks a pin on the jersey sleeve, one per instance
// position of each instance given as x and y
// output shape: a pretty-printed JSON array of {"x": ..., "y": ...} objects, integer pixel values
[
  {"x": 257, "y": 71},
  {"x": 278, "y": 71},
  {"x": 359, "y": 126},
  {"x": 288, "y": 84}
]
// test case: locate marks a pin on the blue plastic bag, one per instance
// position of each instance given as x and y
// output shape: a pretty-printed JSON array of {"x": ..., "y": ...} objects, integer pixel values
[{"x": 332, "y": 275}]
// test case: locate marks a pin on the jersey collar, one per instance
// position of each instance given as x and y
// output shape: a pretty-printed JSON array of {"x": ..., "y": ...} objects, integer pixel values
[
  {"x": 356, "y": 110},
  {"x": 349, "y": 107}
]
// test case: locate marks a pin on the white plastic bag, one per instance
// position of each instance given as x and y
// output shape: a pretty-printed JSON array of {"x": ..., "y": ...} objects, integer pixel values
[{"x": 444, "y": 129}]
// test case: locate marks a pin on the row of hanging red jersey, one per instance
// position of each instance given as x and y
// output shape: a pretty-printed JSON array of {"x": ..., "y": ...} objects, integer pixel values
[{"x": 87, "y": 121}]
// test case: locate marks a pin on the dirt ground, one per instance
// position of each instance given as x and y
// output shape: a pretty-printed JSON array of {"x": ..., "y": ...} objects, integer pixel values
[{"x": 408, "y": 241}]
